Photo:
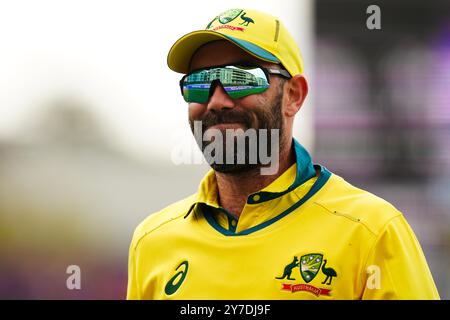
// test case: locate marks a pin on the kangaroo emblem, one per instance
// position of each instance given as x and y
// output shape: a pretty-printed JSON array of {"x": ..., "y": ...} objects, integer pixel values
[{"x": 288, "y": 269}]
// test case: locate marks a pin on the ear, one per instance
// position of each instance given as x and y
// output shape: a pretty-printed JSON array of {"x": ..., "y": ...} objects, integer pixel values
[{"x": 295, "y": 93}]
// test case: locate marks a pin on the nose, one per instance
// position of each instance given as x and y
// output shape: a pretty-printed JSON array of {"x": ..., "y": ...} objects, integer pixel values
[{"x": 219, "y": 99}]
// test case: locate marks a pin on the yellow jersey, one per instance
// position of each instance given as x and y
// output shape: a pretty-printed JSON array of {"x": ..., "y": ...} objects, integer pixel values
[{"x": 308, "y": 235}]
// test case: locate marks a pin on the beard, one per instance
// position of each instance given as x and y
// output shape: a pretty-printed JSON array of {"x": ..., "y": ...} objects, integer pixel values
[{"x": 245, "y": 155}]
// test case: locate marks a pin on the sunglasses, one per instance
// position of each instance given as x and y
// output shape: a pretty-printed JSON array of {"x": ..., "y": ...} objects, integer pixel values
[{"x": 238, "y": 81}]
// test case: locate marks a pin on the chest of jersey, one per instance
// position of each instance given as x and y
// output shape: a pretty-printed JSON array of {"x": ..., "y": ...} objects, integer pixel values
[{"x": 298, "y": 259}]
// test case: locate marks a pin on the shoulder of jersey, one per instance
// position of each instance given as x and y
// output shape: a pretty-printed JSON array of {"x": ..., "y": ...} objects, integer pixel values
[
  {"x": 170, "y": 213},
  {"x": 346, "y": 201}
]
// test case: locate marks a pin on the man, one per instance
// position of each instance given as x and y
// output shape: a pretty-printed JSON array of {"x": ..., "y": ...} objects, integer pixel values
[{"x": 297, "y": 232}]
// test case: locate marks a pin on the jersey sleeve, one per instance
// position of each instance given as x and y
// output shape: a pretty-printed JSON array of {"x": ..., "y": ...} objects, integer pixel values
[
  {"x": 396, "y": 267},
  {"x": 132, "y": 288}
]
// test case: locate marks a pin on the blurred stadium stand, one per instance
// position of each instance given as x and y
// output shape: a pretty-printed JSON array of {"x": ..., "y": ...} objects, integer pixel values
[{"x": 382, "y": 110}]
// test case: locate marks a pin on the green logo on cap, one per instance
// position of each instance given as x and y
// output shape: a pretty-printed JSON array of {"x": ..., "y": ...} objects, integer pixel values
[
  {"x": 226, "y": 17},
  {"x": 246, "y": 20},
  {"x": 229, "y": 15}
]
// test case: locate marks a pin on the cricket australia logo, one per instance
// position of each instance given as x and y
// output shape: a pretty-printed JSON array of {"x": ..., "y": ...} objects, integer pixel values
[
  {"x": 228, "y": 16},
  {"x": 309, "y": 266}
]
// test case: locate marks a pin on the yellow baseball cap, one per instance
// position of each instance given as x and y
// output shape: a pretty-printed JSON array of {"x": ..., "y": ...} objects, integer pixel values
[{"x": 258, "y": 33}]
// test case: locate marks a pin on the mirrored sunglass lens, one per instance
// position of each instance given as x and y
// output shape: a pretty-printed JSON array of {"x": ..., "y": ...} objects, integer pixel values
[
  {"x": 237, "y": 81},
  {"x": 243, "y": 81},
  {"x": 237, "y": 93},
  {"x": 198, "y": 92}
]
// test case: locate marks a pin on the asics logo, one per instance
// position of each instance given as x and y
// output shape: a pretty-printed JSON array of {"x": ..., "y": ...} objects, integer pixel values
[{"x": 175, "y": 282}]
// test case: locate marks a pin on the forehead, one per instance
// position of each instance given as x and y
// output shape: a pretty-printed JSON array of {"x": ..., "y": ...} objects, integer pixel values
[{"x": 222, "y": 52}]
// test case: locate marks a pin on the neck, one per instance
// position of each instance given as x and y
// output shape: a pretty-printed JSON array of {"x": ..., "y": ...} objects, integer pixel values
[{"x": 234, "y": 189}]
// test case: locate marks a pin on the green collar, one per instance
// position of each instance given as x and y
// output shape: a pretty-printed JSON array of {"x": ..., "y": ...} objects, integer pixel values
[{"x": 305, "y": 171}]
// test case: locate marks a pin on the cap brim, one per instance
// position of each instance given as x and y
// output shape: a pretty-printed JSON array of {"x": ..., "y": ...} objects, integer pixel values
[{"x": 180, "y": 54}]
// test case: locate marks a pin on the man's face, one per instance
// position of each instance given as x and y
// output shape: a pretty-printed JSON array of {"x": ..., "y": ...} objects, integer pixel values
[{"x": 221, "y": 112}]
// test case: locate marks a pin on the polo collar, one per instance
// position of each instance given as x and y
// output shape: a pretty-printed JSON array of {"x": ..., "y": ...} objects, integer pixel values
[
  {"x": 304, "y": 170},
  {"x": 208, "y": 192}
]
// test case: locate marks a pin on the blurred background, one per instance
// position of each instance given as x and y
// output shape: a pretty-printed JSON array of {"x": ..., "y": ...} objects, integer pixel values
[{"x": 94, "y": 134}]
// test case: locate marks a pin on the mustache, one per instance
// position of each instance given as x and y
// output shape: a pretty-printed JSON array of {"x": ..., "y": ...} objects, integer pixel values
[{"x": 212, "y": 118}]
